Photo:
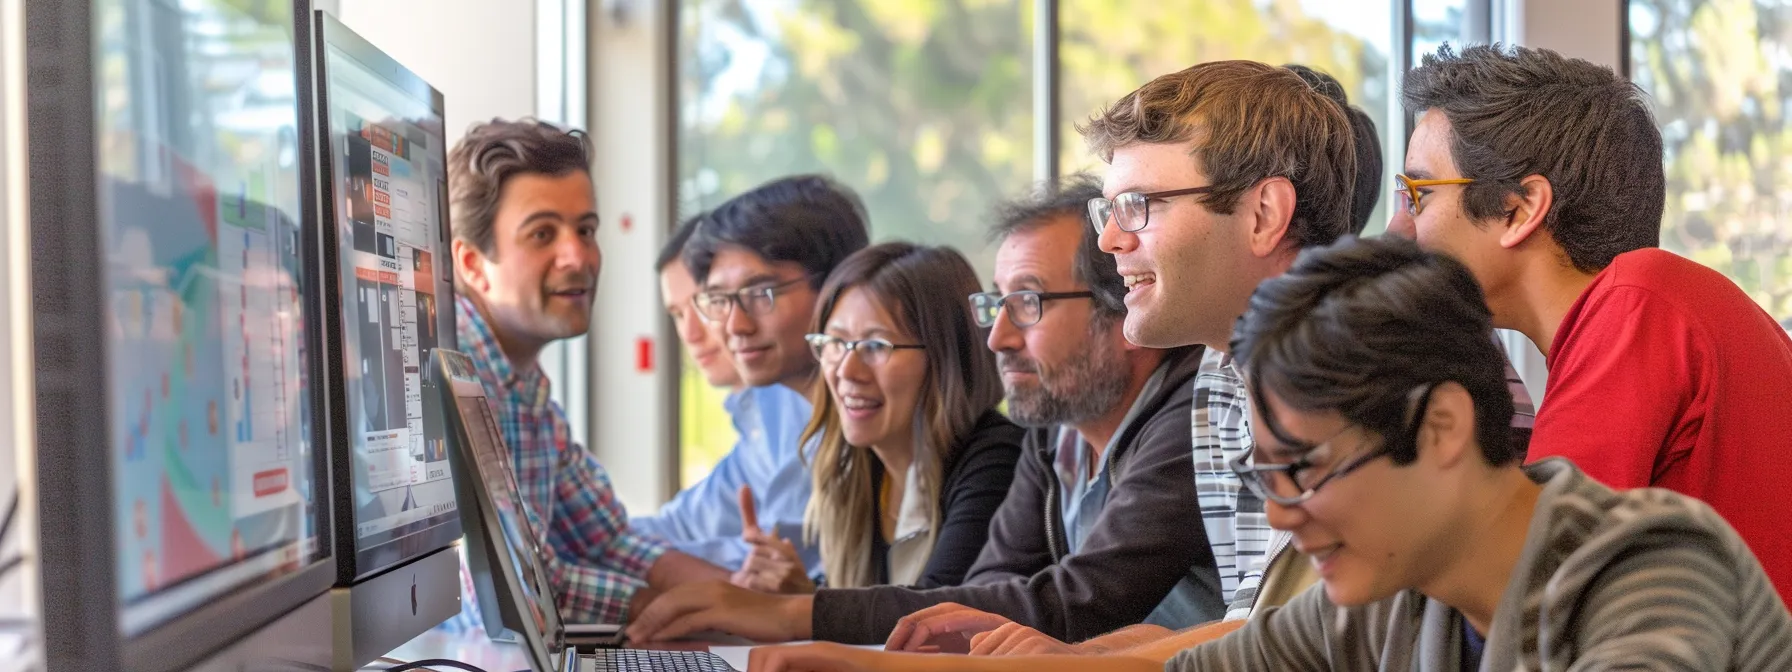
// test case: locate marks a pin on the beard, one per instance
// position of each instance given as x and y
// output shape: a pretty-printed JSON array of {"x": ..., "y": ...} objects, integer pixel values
[{"x": 1083, "y": 388}]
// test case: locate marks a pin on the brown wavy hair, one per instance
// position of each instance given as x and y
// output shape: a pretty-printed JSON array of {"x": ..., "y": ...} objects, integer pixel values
[{"x": 926, "y": 290}]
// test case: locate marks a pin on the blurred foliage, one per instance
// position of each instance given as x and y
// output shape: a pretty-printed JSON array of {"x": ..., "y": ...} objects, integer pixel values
[
  {"x": 925, "y": 106},
  {"x": 1720, "y": 72}
]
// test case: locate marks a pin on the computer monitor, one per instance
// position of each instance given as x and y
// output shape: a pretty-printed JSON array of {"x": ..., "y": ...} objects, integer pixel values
[
  {"x": 175, "y": 330},
  {"x": 390, "y": 292}
]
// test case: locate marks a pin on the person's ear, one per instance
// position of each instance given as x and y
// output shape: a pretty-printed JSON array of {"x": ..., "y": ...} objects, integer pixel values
[
  {"x": 1447, "y": 433},
  {"x": 469, "y": 267},
  {"x": 1527, "y": 208},
  {"x": 1271, "y": 206}
]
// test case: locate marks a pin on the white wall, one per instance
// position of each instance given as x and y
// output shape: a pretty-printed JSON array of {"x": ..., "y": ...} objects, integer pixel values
[
  {"x": 631, "y": 121},
  {"x": 479, "y": 53}
]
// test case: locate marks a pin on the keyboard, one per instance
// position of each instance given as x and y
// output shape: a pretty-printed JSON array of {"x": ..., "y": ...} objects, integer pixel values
[{"x": 638, "y": 660}]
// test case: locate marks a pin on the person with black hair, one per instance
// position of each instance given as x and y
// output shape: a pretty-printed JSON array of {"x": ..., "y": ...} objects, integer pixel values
[
  {"x": 1543, "y": 174},
  {"x": 758, "y": 260},
  {"x": 677, "y": 287},
  {"x": 1384, "y": 452}
]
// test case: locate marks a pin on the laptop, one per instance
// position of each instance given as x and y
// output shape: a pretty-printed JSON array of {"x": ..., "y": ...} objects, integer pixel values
[{"x": 504, "y": 555}]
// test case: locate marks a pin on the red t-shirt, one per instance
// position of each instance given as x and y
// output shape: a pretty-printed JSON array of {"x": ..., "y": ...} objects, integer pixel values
[{"x": 1665, "y": 374}]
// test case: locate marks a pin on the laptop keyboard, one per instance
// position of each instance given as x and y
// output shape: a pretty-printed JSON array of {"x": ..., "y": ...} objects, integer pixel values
[{"x": 638, "y": 660}]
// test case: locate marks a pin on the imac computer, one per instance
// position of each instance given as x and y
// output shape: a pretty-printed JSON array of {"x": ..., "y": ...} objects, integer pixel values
[
  {"x": 178, "y": 414},
  {"x": 389, "y": 291},
  {"x": 505, "y": 553}
]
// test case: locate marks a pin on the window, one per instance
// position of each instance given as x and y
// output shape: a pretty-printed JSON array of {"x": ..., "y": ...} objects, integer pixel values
[
  {"x": 922, "y": 107},
  {"x": 1720, "y": 73},
  {"x": 1109, "y": 48}
]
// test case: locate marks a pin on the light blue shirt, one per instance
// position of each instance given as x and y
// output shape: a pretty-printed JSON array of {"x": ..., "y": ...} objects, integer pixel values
[
  {"x": 1085, "y": 495},
  {"x": 704, "y": 519}
]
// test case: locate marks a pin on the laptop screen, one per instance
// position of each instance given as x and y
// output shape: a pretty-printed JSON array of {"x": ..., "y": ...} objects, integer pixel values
[{"x": 505, "y": 552}]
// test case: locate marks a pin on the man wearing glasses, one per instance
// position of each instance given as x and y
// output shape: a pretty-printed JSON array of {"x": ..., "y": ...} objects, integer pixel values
[
  {"x": 758, "y": 260},
  {"x": 1094, "y": 534},
  {"x": 1662, "y": 372}
]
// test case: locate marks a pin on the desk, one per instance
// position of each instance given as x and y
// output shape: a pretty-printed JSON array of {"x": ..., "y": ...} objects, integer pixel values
[{"x": 474, "y": 648}]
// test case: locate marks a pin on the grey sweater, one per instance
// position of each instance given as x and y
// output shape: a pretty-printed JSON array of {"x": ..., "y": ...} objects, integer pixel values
[
  {"x": 1644, "y": 579},
  {"x": 1143, "y": 544}
]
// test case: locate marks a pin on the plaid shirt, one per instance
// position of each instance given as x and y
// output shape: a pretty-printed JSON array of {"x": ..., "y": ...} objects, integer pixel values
[{"x": 597, "y": 563}]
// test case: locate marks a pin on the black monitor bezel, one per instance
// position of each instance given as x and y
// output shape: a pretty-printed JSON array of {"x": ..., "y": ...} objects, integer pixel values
[
  {"x": 70, "y": 356},
  {"x": 440, "y": 531}
]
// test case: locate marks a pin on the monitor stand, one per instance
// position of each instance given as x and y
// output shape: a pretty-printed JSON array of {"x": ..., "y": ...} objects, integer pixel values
[
  {"x": 380, "y": 614},
  {"x": 299, "y": 640}
]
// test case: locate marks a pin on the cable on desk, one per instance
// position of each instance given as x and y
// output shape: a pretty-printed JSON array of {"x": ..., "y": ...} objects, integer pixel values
[{"x": 434, "y": 662}]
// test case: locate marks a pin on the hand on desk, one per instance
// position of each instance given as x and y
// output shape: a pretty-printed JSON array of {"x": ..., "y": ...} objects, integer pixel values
[
  {"x": 773, "y": 565},
  {"x": 813, "y": 658},
  {"x": 943, "y": 628},
  {"x": 717, "y": 605}
]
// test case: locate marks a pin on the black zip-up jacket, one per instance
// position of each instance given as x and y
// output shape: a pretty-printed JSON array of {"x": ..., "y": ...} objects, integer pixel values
[{"x": 1148, "y": 538}]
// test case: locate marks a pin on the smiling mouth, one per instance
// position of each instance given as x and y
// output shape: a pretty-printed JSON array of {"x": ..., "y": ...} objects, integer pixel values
[
  {"x": 1138, "y": 280},
  {"x": 858, "y": 403}
]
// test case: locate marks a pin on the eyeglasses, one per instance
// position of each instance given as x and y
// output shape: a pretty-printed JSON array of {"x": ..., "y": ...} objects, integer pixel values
[
  {"x": 829, "y": 350},
  {"x": 1408, "y": 190},
  {"x": 1286, "y": 484},
  {"x": 1131, "y": 211},
  {"x": 715, "y": 305},
  {"x": 1024, "y": 307}
]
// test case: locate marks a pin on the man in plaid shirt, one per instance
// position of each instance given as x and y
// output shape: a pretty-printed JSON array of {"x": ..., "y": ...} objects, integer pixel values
[{"x": 526, "y": 264}]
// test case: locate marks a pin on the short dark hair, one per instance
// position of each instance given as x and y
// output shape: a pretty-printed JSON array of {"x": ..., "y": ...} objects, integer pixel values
[
  {"x": 1046, "y": 203},
  {"x": 674, "y": 247},
  {"x": 495, "y": 151},
  {"x": 1355, "y": 326},
  {"x": 1250, "y": 121},
  {"x": 1367, "y": 191},
  {"x": 810, "y": 220},
  {"x": 1518, "y": 111}
]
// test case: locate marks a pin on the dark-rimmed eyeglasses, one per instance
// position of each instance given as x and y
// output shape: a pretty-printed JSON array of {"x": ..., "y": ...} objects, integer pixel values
[
  {"x": 829, "y": 350},
  {"x": 715, "y": 305},
  {"x": 1408, "y": 190},
  {"x": 1296, "y": 482},
  {"x": 1025, "y": 307},
  {"x": 1131, "y": 211}
]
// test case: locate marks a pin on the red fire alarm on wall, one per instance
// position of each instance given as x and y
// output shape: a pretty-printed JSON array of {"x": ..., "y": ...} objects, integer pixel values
[{"x": 644, "y": 354}]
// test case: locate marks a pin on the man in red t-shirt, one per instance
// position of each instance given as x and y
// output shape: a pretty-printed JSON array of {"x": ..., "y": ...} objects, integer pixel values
[{"x": 1544, "y": 175}]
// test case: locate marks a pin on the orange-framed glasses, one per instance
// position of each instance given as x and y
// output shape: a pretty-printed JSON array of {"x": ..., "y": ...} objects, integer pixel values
[{"x": 1408, "y": 190}]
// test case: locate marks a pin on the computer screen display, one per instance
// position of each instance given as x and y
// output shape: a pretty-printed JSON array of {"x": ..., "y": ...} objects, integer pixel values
[
  {"x": 387, "y": 168},
  {"x": 202, "y": 223}
]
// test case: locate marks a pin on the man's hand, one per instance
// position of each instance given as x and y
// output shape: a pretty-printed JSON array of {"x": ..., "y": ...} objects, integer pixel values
[
  {"x": 716, "y": 605},
  {"x": 1014, "y": 639},
  {"x": 812, "y": 658},
  {"x": 773, "y": 565},
  {"x": 942, "y": 628}
]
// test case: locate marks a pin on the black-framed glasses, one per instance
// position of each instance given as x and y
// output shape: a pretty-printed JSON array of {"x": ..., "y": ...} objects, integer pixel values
[
  {"x": 829, "y": 350},
  {"x": 1025, "y": 307},
  {"x": 1296, "y": 482},
  {"x": 714, "y": 305},
  {"x": 1131, "y": 211}
]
